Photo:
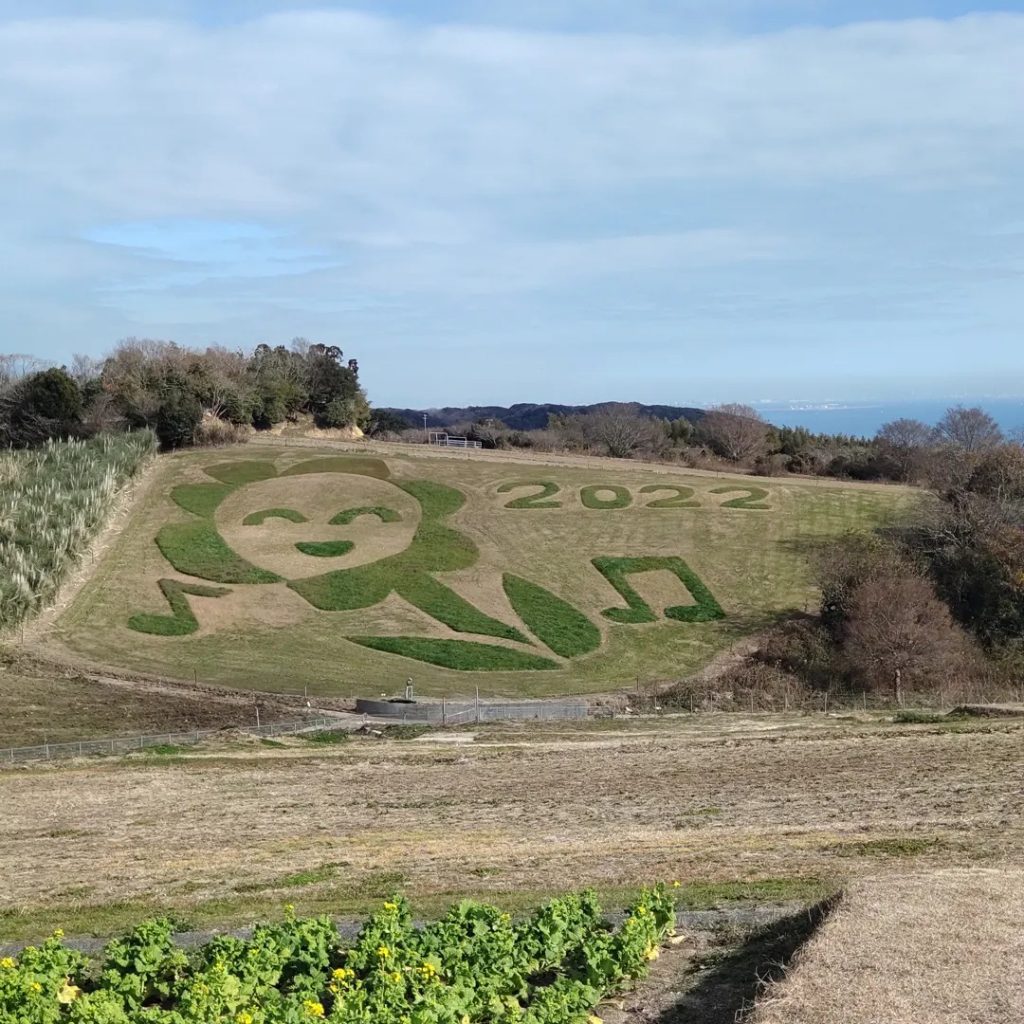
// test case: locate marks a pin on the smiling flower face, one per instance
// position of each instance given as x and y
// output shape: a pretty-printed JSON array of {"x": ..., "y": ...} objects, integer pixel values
[{"x": 300, "y": 526}]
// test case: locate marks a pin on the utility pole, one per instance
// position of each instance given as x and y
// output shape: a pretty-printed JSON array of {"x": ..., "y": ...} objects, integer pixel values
[{"x": 426, "y": 436}]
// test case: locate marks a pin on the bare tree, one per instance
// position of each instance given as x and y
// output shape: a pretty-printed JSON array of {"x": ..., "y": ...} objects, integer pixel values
[
  {"x": 899, "y": 634},
  {"x": 969, "y": 430},
  {"x": 906, "y": 442},
  {"x": 15, "y": 365},
  {"x": 736, "y": 432}
]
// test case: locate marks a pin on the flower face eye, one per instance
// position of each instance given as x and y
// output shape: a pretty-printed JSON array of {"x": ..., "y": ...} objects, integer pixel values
[{"x": 384, "y": 514}]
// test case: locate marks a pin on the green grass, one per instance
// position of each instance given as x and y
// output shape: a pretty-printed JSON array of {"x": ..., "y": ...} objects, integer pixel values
[
  {"x": 181, "y": 621},
  {"x": 910, "y": 717},
  {"x": 435, "y": 548},
  {"x": 325, "y": 548},
  {"x": 200, "y": 499},
  {"x": 567, "y": 631},
  {"x": 237, "y": 474},
  {"x": 896, "y": 846},
  {"x": 617, "y": 570},
  {"x": 682, "y": 497},
  {"x": 752, "y": 497},
  {"x": 463, "y": 655},
  {"x": 197, "y": 549},
  {"x": 326, "y": 737},
  {"x": 354, "y": 896},
  {"x": 360, "y": 465},
  {"x": 590, "y": 496},
  {"x": 258, "y": 518},
  {"x": 385, "y": 515},
  {"x": 535, "y": 500},
  {"x": 756, "y": 566}
]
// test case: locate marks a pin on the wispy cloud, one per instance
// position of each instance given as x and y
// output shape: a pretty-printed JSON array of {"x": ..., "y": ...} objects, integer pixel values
[{"x": 408, "y": 168}]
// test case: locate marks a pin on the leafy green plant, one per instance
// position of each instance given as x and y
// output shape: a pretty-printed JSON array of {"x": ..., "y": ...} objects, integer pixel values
[
  {"x": 591, "y": 496},
  {"x": 616, "y": 571},
  {"x": 258, "y": 518},
  {"x": 567, "y": 631},
  {"x": 475, "y": 964},
  {"x": 182, "y": 620}
]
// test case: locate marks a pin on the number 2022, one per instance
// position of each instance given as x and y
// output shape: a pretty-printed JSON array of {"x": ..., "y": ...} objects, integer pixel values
[{"x": 613, "y": 496}]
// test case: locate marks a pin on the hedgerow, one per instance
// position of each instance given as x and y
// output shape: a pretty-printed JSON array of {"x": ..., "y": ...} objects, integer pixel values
[
  {"x": 462, "y": 655},
  {"x": 258, "y": 518},
  {"x": 621, "y": 498},
  {"x": 474, "y": 965},
  {"x": 182, "y": 620},
  {"x": 385, "y": 515},
  {"x": 637, "y": 610},
  {"x": 53, "y": 499},
  {"x": 567, "y": 631}
]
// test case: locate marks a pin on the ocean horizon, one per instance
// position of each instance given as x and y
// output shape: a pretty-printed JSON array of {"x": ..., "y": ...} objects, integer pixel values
[{"x": 863, "y": 418}]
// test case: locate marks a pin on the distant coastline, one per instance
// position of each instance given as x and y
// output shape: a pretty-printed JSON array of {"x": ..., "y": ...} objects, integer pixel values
[{"x": 864, "y": 418}]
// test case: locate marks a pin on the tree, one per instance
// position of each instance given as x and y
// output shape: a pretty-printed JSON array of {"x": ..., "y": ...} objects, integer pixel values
[
  {"x": 384, "y": 422},
  {"x": 899, "y": 634},
  {"x": 178, "y": 419},
  {"x": 905, "y": 442},
  {"x": 969, "y": 430},
  {"x": 735, "y": 432},
  {"x": 40, "y": 406}
]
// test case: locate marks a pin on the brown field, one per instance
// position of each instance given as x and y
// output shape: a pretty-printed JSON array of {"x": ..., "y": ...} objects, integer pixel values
[
  {"x": 945, "y": 947},
  {"x": 761, "y": 807},
  {"x": 42, "y": 707}
]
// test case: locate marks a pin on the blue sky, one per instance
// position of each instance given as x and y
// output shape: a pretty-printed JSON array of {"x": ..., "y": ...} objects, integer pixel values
[{"x": 492, "y": 201}]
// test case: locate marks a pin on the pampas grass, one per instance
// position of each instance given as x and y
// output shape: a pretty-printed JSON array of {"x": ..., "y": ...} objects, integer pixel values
[{"x": 53, "y": 500}]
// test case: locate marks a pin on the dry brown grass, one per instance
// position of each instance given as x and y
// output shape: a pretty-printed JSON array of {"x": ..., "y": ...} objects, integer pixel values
[
  {"x": 942, "y": 947},
  {"x": 727, "y": 798}
]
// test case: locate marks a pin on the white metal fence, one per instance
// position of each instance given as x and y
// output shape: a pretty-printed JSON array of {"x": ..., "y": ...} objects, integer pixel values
[{"x": 126, "y": 744}]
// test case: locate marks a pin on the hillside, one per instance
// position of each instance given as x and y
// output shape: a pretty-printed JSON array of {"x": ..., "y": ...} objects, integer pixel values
[
  {"x": 532, "y": 416},
  {"x": 283, "y": 567}
]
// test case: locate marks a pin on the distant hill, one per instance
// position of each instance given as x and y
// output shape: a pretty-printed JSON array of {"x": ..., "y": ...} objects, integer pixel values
[{"x": 531, "y": 416}]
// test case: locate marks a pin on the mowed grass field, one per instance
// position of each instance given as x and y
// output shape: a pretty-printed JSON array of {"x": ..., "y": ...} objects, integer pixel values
[
  {"x": 760, "y": 808},
  {"x": 754, "y": 561}
]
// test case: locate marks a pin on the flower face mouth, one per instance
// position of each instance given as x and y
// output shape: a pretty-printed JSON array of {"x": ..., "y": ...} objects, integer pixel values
[{"x": 325, "y": 548}]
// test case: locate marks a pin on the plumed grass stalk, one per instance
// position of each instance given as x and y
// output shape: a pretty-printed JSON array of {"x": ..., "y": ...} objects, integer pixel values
[{"x": 53, "y": 500}]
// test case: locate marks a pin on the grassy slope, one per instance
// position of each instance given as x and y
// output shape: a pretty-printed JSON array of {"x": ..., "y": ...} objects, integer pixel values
[{"x": 755, "y": 563}]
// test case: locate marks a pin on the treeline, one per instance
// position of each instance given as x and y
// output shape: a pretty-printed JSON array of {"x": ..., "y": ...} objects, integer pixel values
[
  {"x": 185, "y": 396},
  {"x": 737, "y": 437}
]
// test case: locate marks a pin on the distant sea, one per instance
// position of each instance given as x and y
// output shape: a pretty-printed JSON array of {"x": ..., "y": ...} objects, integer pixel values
[{"x": 864, "y": 418}]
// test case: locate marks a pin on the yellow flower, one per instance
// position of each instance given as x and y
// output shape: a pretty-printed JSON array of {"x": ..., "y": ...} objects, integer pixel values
[
  {"x": 428, "y": 969},
  {"x": 58, "y": 933},
  {"x": 68, "y": 993},
  {"x": 7, "y": 963},
  {"x": 390, "y": 906},
  {"x": 395, "y": 975},
  {"x": 383, "y": 952},
  {"x": 653, "y": 953},
  {"x": 36, "y": 987},
  {"x": 465, "y": 1019},
  {"x": 675, "y": 885},
  {"x": 594, "y": 1019},
  {"x": 313, "y": 1008},
  {"x": 243, "y": 1018}
]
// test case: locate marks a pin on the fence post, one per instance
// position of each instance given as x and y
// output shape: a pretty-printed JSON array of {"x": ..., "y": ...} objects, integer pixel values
[
  {"x": 444, "y": 713},
  {"x": 478, "y": 705}
]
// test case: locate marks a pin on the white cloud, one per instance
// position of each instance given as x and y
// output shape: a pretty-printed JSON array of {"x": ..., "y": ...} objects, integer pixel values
[{"x": 428, "y": 160}]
